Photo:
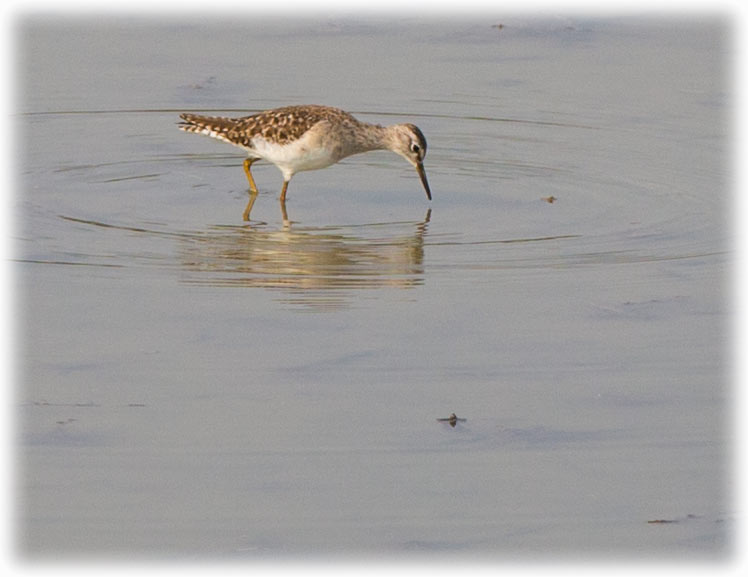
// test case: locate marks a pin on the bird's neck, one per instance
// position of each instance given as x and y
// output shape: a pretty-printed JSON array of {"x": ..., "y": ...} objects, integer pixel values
[{"x": 375, "y": 137}]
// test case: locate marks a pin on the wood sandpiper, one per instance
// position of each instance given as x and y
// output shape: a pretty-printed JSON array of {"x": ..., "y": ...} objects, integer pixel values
[{"x": 297, "y": 138}]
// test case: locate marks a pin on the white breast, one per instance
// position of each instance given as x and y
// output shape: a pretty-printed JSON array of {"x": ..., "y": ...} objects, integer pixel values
[{"x": 306, "y": 153}]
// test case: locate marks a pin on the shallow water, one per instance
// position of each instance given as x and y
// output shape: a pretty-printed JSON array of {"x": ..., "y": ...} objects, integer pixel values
[{"x": 194, "y": 386}]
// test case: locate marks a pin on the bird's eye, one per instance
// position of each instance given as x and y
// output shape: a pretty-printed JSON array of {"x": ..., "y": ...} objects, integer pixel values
[{"x": 415, "y": 148}]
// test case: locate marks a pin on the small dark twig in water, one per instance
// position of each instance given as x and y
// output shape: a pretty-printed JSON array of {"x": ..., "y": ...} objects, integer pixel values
[{"x": 452, "y": 420}]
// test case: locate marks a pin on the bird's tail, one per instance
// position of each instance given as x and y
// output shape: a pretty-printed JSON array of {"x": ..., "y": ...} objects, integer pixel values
[{"x": 214, "y": 126}]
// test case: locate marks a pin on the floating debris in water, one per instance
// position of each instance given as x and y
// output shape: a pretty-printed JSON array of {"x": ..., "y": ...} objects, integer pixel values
[
  {"x": 67, "y": 422},
  {"x": 549, "y": 199},
  {"x": 452, "y": 420},
  {"x": 667, "y": 521}
]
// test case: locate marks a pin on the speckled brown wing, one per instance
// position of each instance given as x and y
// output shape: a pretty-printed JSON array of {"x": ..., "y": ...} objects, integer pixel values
[
  {"x": 281, "y": 125},
  {"x": 284, "y": 125}
]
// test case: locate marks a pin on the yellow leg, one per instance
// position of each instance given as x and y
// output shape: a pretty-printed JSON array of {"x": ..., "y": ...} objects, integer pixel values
[
  {"x": 252, "y": 187},
  {"x": 284, "y": 214},
  {"x": 283, "y": 202},
  {"x": 247, "y": 163},
  {"x": 247, "y": 210},
  {"x": 283, "y": 191}
]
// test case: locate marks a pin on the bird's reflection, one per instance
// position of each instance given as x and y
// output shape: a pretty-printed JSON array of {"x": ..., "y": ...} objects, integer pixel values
[
  {"x": 248, "y": 210},
  {"x": 312, "y": 265}
]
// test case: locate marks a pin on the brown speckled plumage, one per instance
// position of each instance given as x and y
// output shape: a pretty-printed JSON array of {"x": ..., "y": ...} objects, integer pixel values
[
  {"x": 280, "y": 125},
  {"x": 309, "y": 137}
]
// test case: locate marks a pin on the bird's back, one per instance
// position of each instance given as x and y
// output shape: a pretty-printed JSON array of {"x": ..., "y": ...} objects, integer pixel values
[{"x": 279, "y": 126}]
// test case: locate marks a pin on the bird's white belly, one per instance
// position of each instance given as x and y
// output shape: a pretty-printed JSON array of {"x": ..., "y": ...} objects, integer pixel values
[{"x": 294, "y": 156}]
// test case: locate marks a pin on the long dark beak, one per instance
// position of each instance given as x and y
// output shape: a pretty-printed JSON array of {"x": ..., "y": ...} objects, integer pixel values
[{"x": 422, "y": 174}]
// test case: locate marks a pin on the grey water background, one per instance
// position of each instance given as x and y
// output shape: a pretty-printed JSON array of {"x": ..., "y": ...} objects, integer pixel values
[{"x": 191, "y": 386}]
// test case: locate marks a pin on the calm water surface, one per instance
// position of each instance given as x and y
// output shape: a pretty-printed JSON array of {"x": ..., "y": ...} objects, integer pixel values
[{"x": 193, "y": 386}]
